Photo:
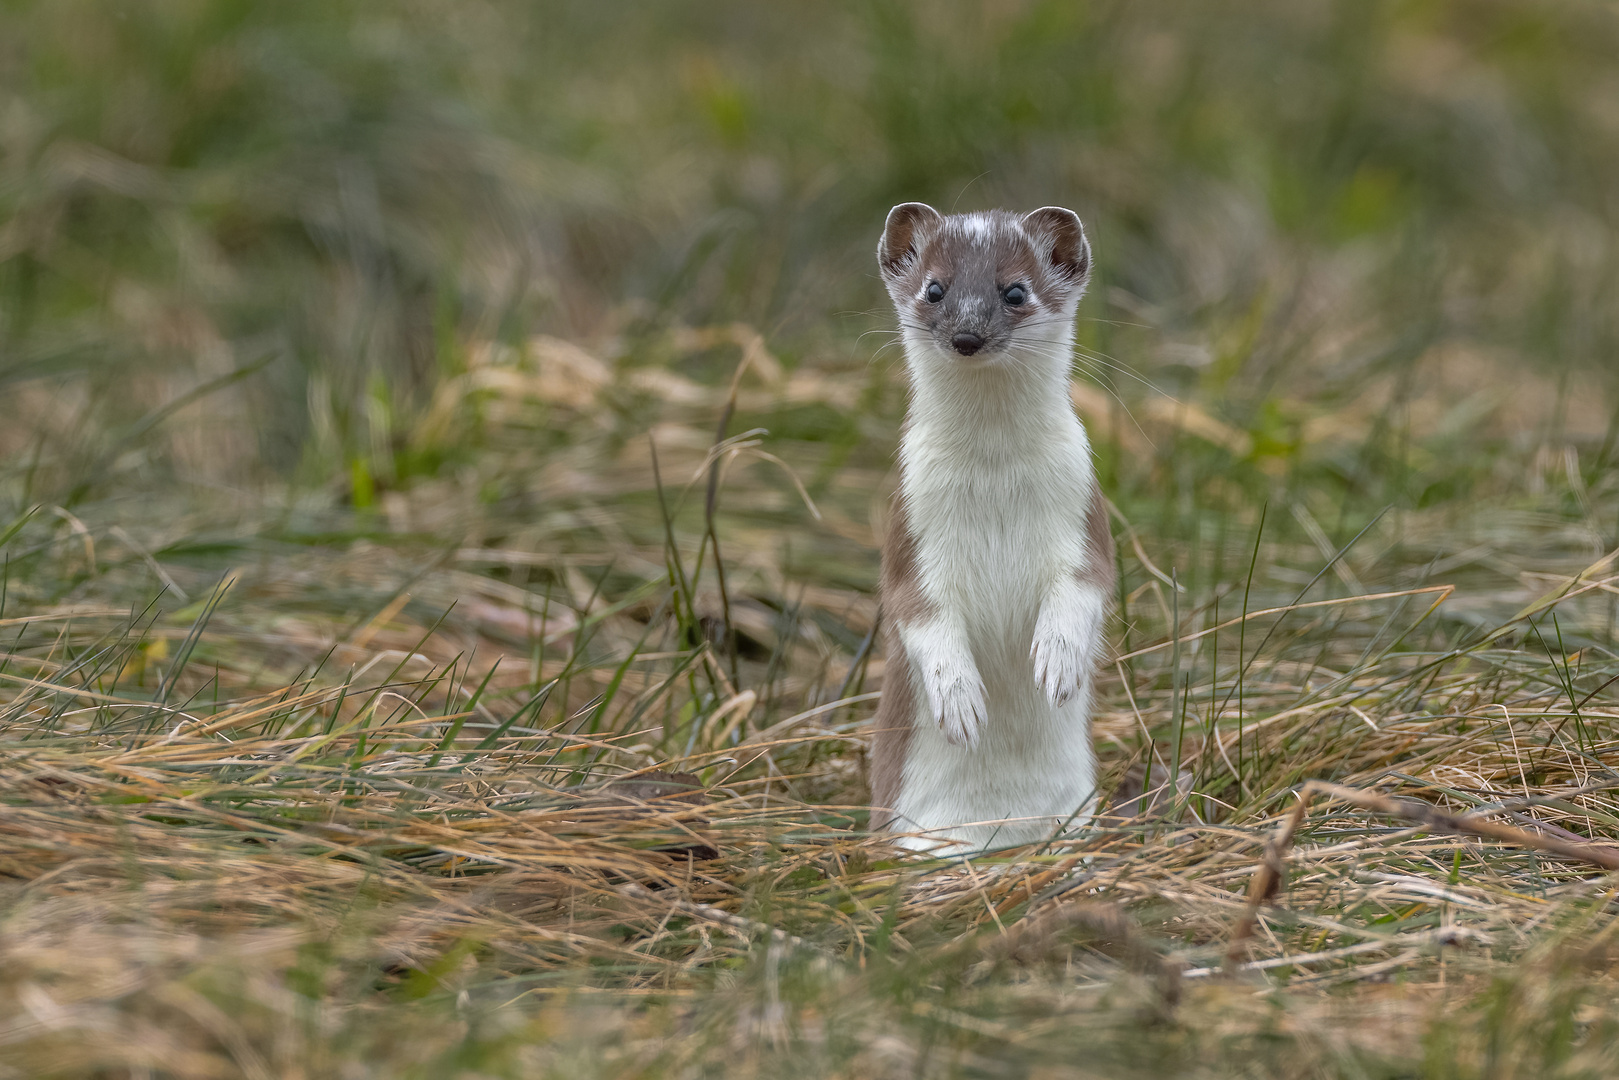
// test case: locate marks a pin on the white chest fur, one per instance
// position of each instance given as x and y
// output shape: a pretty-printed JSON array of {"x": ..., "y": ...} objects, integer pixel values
[
  {"x": 997, "y": 482},
  {"x": 993, "y": 532}
]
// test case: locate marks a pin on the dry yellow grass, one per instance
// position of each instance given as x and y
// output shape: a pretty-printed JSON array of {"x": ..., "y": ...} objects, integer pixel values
[{"x": 351, "y": 811}]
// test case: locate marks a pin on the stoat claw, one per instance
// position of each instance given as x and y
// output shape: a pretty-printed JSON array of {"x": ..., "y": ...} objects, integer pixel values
[
  {"x": 958, "y": 704},
  {"x": 1060, "y": 665}
]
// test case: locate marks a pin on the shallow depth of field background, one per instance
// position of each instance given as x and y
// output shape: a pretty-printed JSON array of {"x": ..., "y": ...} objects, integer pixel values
[{"x": 415, "y": 415}]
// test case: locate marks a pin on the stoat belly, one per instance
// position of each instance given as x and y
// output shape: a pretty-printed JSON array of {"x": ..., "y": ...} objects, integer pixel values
[{"x": 990, "y": 543}]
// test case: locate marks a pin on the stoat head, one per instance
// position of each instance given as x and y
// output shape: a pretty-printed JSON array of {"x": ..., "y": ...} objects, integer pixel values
[{"x": 984, "y": 285}]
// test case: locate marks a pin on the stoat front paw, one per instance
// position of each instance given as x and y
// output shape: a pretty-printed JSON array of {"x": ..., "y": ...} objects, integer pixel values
[
  {"x": 956, "y": 696},
  {"x": 1062, "y": 663}
]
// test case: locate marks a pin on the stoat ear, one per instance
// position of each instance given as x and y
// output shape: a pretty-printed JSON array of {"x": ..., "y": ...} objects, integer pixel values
[
  {"x": 1060, "y": 235},
  {"x": 908, "y": 225}
]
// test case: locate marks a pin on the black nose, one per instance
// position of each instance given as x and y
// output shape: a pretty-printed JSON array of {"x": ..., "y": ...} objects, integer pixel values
[{"x": 967, "y": 344}]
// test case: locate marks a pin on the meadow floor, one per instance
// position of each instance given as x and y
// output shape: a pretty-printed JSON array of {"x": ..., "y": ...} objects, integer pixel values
[{"x": 297, "y": 789}]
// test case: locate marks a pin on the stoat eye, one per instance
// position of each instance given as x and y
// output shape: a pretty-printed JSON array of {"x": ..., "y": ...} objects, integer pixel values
[
  {"x": 1015, "y": 295},
  {"x": 935, "y": 292}
]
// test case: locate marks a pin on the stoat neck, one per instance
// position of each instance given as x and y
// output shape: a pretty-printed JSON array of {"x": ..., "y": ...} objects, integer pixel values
[{"x": 986, "y": 409}]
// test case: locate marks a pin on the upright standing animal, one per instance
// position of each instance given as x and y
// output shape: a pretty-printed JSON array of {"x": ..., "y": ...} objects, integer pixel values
[{"x": 998, "y": 562}]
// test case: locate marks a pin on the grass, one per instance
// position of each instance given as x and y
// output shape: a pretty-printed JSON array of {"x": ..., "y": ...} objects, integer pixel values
[
  {"x": 288, "y": 812},
  {"x": 425, "y": 426}
]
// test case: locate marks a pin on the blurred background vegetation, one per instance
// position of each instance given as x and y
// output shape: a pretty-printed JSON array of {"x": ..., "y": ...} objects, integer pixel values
[
  {"x": 394, "y": 338},
  {"x": 1359, "y": 233}
]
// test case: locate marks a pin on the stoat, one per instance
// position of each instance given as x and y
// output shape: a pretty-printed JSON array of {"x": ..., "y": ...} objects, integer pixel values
[{"x": 997, "y": 567}]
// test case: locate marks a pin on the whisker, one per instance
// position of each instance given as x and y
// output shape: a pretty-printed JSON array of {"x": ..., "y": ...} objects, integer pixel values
[
  {"x": 1022, "y": 349},
  {"x": 1115, "y": 322},
  {"x": 1122, "y": 369}
]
